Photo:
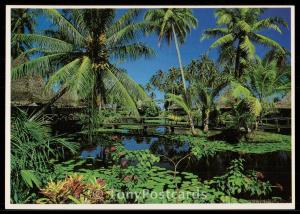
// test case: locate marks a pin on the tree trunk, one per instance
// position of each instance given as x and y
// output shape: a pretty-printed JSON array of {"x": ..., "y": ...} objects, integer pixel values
[
  {"x": 206, "y": 120},
  {"x": 51, "y": 101},
  {"x": 256, "y": 125},
  {"x": 237, "y": 61},
  {"x": 192, "y": 125},
  {"x": 179, "y": 58},
  {"x": 101, "y": 92}
]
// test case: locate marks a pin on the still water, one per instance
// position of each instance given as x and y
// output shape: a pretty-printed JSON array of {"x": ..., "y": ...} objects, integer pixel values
[{"x": 275, "y": 166}]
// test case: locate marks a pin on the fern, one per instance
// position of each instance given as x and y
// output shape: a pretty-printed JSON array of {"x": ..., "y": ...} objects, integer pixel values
[{"x": 30, "y": 178}]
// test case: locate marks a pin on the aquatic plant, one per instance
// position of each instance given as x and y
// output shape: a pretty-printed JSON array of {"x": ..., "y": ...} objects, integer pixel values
[
  {"x": 237, "y": 181},
  {"x": 262, "y": 142}
]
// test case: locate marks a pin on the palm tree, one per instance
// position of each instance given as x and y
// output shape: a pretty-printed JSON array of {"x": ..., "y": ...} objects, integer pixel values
[
  {"x": 244, "y": 110},
  {"x": 281, "y": 57},
  {"x": 172, "y": 23},
  {"x": 180, "y": 101},
  {"x": 267, "y": 81},
  {"x": 240, "y": 27},
  {"x": 81, "y": 61},
  {"x": 22, "y": 20},
  {"x": 158, "y": 80},
  {"x": 206, "y": 83}
]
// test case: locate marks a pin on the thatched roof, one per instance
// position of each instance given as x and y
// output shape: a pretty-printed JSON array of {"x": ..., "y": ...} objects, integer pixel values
[
  {"x": 221, "y": 100},
  {"x": 28, "y": 91},
  {"x": 174, "y": 107},
  {"x": 285, "y": 102}
]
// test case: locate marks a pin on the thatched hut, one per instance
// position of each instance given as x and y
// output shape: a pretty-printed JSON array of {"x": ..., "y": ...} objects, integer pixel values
[
  {"x": 284, "y": 106},
  {"x": 27, "y": 92}
]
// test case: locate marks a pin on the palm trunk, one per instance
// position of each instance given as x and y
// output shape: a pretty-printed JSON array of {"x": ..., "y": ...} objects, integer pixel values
[
  {"x": 192, "y": 125},
  {"x": 101, "y": 92},
  {"x": 51, "y": 101},
  {"x": 237, "y": 61},
  {"x": 179, "y": 58},
  {"x": 206, "y": 120}
]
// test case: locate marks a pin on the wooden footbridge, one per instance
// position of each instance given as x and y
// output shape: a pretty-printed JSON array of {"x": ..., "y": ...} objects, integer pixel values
[
  {"x": 275, "y": 123},
  {"x": 151, "y": 122}
]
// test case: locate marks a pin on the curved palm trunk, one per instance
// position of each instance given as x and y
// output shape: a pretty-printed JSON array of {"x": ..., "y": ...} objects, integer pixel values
[
  {"x": 183, "y": 79},
  {"x": 51, "y": 101},
  {"x": 179, "y": 58}
]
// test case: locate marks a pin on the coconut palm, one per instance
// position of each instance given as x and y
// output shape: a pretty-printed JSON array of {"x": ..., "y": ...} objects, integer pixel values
[
  {"x": 157, "y": 80},
  {"x": 240, "y": 27},
  {"x": 281, "y": 57},
  {"x": 181, "y": 102},
  {"x": 22, "y": 20},
  {"x": 172, "y": 23},
  {"x": 81, "y": 61},
  {"x": 267, "y": 81},
  {"x": 206, "y": 83}
]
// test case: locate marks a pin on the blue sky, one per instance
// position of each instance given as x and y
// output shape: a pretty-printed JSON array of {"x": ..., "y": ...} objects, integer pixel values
[{"x": 141, "y": 70}]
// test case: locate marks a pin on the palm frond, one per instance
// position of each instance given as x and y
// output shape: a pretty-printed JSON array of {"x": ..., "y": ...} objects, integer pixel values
[
  {"x": 271, "y": 23},
  {"x": 179, "y": 101},
  {"x": 65, "y": 26},
  {"x": 134, "y": 89},
  {"x": 248, "y": 47},
  {"x": 39, "y": 65},
  {"x": 117, "y": 89},
  {"x": 125, "y": 20},
  {"x": 266, "y": 41},
  {"x": 43, "y": 43},
  {"x": 132, "y": 51},
  {"x": 62, "y": 75},
  {"x": 213, "y": 32},
  {"x": 223, "y": 40},
  {"x": 83, "y": 80}
]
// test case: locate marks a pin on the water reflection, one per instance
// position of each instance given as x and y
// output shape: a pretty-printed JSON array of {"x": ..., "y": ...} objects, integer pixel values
[{"x": 275, "y": 166}]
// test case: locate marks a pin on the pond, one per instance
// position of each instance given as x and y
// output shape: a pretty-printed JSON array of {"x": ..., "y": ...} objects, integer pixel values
[{"x": 274, "y": 166}]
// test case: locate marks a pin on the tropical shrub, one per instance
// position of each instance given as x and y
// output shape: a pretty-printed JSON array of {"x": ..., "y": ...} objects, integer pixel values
[
  {"x": 243, "y": 113},
  {"x": 74, "y": 189},
  {"x": 152, "y": 111},
  {"x": 236, "y": 181},
  {"x": 32, "y": 146},
  {"x": 105, "y": 116}
]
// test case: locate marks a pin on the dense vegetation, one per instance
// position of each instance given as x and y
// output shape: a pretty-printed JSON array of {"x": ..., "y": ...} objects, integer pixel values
[{"x": 78, "y": 55}]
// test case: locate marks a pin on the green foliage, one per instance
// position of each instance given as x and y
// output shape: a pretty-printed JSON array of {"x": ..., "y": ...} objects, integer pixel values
[
  {"x": 161, "y": 21},
  {"x": 30, "y": 178},
  {"x": 238, "y": 29},
  {"x": 207, "y": 82},
  {"x": 105, "y": 116},
  {"x": 32, "y": 146},
  {"x": 61, "y": 170},
  {"x": 183, "y": 102},
  {"x": 262, "y": 142},
  {"x": 143, "y": 185},
  {"x": 74, "y": 190},
  {"x": 236, "y": 181},
  {"x": 76, "y": 55},
  {"x": 268, "y": 82},
  {"x": 244, "y": 110},
  {"x": 148, "y": 109}
]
